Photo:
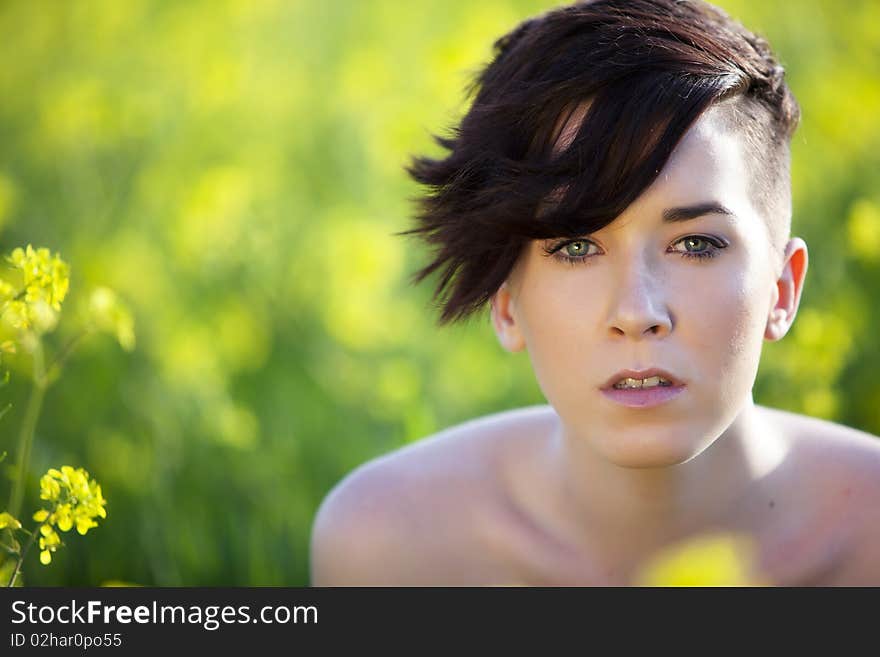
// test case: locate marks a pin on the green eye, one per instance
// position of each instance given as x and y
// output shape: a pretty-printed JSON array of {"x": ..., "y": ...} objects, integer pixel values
[
  {"x": 695, "y": 242},
  {"x": 573, "y": 252},
  {"x": 697, "y": 246},
  {"x": 576, "y": 249}
]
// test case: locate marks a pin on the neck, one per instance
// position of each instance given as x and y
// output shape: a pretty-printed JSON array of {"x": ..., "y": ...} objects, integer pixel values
[{"x": 648, "y": 507}]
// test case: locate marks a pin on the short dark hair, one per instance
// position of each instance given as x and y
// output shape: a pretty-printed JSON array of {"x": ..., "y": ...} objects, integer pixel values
[{"x": 649, "y": 68}]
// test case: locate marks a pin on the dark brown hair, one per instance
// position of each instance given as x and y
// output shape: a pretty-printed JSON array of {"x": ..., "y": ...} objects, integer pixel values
[{"x": 648, "y": 68}]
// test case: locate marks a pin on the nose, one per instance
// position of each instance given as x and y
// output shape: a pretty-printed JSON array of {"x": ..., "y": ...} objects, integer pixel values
[{"x": 638, "y": 306}]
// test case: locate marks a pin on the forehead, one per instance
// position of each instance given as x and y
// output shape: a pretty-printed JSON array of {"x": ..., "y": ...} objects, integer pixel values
[
  {"x": 709, "y": 163},
  {"x": 710, "y": 160}
]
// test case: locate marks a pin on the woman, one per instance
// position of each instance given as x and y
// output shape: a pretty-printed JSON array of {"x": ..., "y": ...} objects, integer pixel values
[{"x": 619, "y": 195}]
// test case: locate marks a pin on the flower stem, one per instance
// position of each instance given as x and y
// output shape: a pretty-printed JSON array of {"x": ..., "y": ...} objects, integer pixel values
[
  {"x": 28, "y": 427},
  {"x": 22, "y": 556},
  {"x": 55, "y": 366},
  {"x": 12, "y": 552}
]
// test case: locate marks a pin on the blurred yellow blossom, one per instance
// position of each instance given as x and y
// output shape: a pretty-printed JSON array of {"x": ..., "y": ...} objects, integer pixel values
[
  {"x": 109, "y": 314},
  {"x": 718, "y": 559},
  {"x": 7, "y": 291},
  {"x": 32, "y": 300},
  {"x": 45, "y": 276},
  {"x": 6, "y": 520},
  {"x": 863, "y": 229}
]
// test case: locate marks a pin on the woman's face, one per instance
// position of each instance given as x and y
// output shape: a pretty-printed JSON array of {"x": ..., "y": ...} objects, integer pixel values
[{"x": 656, "y": 288}]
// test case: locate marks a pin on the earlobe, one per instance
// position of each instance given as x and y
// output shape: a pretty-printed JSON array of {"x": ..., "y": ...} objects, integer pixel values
[
  {"x": 787, "y": 293},
  {"x": 504, "y": 320}
]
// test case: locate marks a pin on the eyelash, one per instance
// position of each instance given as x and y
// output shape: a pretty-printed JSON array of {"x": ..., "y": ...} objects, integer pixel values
[{"x": 716, "y": 244}]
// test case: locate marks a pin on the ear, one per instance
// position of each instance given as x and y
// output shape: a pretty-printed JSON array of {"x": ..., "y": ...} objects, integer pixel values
[
  {"x": 787, "y": 293},
  {"x": 504, "y": 320}
]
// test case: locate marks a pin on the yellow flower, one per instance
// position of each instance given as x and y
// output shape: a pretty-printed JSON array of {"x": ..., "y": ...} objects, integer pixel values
[
  {"x": 7, "y": 291},
  {"x": 43, "y": 273},
  {"x": 78, "y": 501},
  {"x": 717, "y": 559},
  {"x": 17, "y": 314},
  {"x": 45, "y": 281},
  {"x": 49, "y": 542},
  {"x": 63, "y": 517},
  {"x": 50, "y": 489},
  {"x": 6, "y": 520}
]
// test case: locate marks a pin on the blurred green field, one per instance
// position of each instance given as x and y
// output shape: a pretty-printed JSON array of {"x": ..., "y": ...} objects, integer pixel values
[{"x": 233, "y": 169}]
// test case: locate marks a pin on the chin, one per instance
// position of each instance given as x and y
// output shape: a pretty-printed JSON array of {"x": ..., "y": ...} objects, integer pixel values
[{"x": 655, "y": 451}]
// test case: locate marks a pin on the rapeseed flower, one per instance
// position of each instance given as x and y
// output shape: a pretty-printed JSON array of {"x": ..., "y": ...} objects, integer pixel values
[
  {"x": 75, "y": 500},
  {"x": 7, "y": 520},
  {"x": 46, "y": 277},
  {"x": 43, "y": 283}
]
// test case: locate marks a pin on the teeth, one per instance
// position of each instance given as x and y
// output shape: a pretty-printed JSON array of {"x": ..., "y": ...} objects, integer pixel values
[{"x": 650, "y": 382}]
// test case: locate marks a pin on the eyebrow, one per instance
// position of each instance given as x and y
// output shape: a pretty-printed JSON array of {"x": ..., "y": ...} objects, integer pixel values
[{"x": 694, "y": 211}]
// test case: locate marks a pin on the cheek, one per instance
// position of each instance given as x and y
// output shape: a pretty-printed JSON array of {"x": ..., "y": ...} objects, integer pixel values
[
  {"x": 727, "y": 315},
  {"x": 560, "y": 334}
]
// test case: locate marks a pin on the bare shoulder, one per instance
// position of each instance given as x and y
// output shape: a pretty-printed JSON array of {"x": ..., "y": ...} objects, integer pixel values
[
  {"x": 397, "y": 519},
  {"x": 836, "y": 445},
  {"x": 839, "y": 470},
  {"x": 833, "y": 453}
]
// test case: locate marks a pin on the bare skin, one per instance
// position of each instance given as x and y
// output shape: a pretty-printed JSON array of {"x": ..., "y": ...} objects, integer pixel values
[
  {"x": 477, "y": 505},
  {"x": 586, "y": 489}
]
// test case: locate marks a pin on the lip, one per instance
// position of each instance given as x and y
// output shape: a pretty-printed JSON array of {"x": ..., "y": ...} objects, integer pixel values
[
  {"x": 642, "y": 374},
  {"x": 643, "y": 397}
]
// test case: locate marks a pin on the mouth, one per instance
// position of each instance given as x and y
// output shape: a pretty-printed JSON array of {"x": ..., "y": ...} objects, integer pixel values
[
  {"x": 643, "y": 388},
  {"x": 642, "y": 379}
]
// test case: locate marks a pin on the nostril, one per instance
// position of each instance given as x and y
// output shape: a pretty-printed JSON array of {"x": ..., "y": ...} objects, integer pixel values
[{"x": 635, "y": 329}]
